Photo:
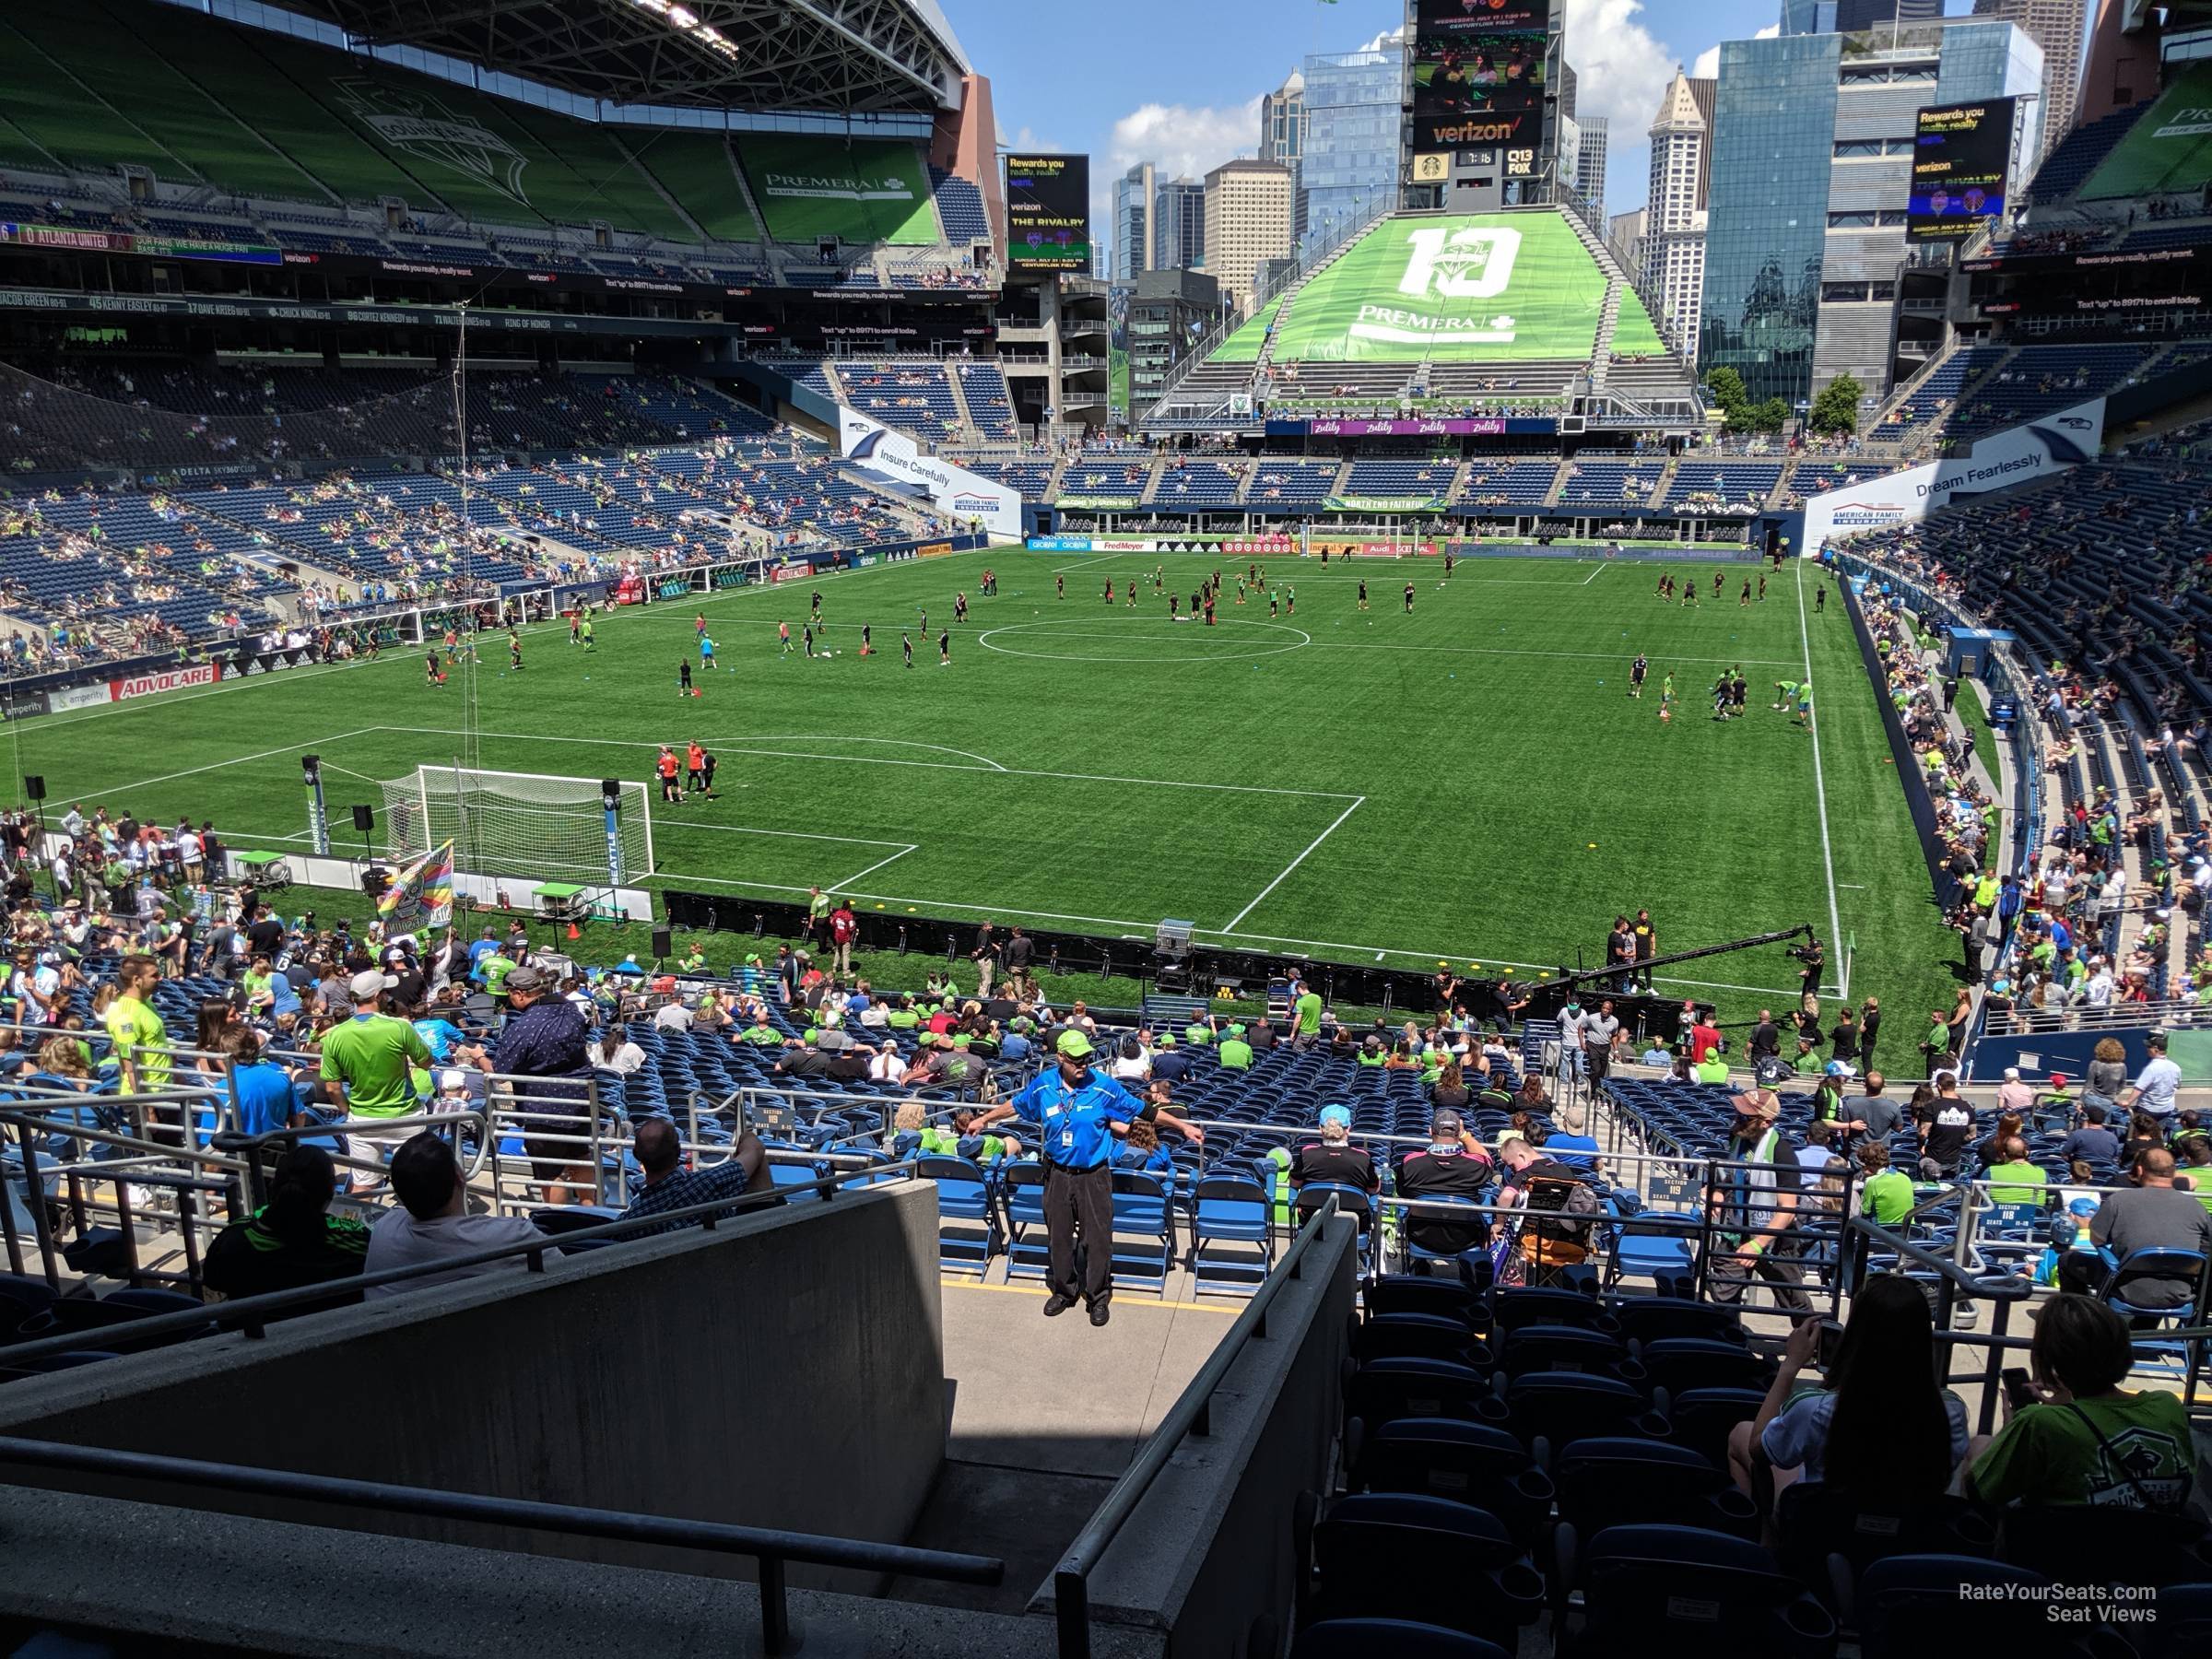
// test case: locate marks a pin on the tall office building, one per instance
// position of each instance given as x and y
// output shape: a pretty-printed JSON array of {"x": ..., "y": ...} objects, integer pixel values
[
  {"x": 1170, "y": 312},
  {"x": 1812, "y": 140},
  {"x": 1629, "y": 231},
  {"x": 1849, "y": 17},
  {"x": 1349, "y": 169},
  {"x": 1590, "y": 159},
  {"x": 1179, "y": 225},
  {"x": 2056, "y": 27},
  {"x": 1674, "y": 242},
  {"x": 1283, "y": 121},
  {"x": 1133, "y": 223},
  {"x": 1247, "y": 223}
]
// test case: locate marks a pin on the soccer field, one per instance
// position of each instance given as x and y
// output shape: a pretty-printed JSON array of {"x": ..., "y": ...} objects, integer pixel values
[{"x": 1470, "y": 783}]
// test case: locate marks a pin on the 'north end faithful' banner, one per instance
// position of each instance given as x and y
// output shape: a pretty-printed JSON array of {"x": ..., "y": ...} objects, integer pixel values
[
  {"x": 1961, "y": 155},
  {"x": 1048, "y": 213}
]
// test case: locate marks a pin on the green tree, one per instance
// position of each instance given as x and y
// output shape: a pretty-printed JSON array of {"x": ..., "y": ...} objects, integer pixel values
[
  {"x": 1837, "y": 407},
  {"x": 1726, "y": 387},
  {"x": 1770, "y": 416}
]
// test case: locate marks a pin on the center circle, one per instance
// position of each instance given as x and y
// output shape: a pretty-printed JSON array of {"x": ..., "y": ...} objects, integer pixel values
[{"x": 1143, "y": 640}]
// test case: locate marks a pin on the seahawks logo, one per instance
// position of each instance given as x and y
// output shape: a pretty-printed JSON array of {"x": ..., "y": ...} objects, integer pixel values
[{"x": 418, "y": 125}]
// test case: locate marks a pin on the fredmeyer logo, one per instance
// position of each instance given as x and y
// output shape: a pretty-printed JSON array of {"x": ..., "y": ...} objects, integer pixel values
[
  {"x": 1475, "y": 263},
  {"x": 421, "y": 127}
]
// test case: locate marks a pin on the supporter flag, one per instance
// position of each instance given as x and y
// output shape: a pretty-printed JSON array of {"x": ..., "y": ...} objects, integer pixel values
[{"x": 421, "y": 895}]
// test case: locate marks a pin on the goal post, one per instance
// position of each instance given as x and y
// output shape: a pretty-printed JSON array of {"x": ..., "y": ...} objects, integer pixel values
[{"x": 519, "y": 823}]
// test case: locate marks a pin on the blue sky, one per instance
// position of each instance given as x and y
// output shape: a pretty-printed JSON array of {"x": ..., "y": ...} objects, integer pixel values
[{"x": 1176, "y": 82}]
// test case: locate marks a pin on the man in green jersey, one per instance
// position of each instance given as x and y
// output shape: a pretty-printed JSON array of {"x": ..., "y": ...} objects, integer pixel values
[{"x": 369, "y": 1057}]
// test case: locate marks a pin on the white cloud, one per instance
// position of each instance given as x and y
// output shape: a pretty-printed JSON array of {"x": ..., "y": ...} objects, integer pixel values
[
  {"x": 1708, "y": 61},
  {"x": 1029, "y": 143},
  {"x": 1178, "y": 139},
  {"x": 1388, "y": 38},
  {"x": 1621, "y": 69}
]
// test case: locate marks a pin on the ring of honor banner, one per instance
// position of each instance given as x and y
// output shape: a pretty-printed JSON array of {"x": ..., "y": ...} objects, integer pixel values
[
  {"x": 1048, "y": 213},
  {"x": 1478, "y": 72},
  {"x": 1962, "y": 157}
]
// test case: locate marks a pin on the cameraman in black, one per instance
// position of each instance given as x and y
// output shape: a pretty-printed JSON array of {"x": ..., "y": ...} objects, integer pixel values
[{"x": 1812, "y": 958}]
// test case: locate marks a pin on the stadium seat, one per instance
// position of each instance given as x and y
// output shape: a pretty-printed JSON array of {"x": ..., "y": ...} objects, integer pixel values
[
  {"x": 1364, "y": 1638},
  {"x": 1607, "y": 1482},
  {"x": 1433, "y": 1561},
  {"x": 1680, "y": 1589},
  {"x": 968, "y": 1226},
  {"x": 1232, "y": 1235},
  {"x": 1144, "y": 1231}
]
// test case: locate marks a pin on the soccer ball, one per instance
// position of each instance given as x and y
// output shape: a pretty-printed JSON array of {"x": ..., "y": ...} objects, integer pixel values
[{"x": 1666, "y": 714}]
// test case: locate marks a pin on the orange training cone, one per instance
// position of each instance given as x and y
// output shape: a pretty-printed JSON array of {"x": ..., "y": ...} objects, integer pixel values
[{"x": 573, "y": 933}]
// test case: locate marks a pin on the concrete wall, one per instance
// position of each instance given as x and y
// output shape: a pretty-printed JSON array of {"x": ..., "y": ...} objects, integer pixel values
[
  {"x": 786, "y": 1370},
  {"x": 1204, "y": 1561}
]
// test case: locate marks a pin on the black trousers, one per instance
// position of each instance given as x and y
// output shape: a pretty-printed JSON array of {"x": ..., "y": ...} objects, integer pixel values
[
  {"x": 1777, "y": 1265},
  {"x": 1080, "y": 1199}
]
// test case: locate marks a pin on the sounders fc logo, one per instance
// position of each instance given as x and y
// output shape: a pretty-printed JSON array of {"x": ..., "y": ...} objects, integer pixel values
[
  {"x": 419, "y": 126},
  {"x": 1446, "y": 266}
]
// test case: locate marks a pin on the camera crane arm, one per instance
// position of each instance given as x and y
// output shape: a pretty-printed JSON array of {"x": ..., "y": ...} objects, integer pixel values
[{"x": 1573, "y": 976}]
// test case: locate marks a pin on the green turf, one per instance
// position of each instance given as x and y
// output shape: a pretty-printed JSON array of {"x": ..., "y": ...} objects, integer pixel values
[{"x": 1472, "y": 780}]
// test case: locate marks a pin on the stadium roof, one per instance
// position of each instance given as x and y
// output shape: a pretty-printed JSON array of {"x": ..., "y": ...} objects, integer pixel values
[{"x": 774, "y": 54}]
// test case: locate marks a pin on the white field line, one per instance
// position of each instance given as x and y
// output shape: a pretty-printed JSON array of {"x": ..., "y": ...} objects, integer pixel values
[
  {"x": 194, "y": 772},
  {"x": 737, "y": 747},
  {"x": 1296, "y": 862},
  {"x": 858, "y": 874},
  {"x": 1828, "y": 856}
]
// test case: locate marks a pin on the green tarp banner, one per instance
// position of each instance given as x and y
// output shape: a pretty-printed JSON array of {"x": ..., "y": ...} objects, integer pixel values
[
  {"x": 1243, "y": 347},
  {"x": 2168, "y": 149},
  {"x": 865, "y": 191},
  {"x": 1468, "y": 288}
]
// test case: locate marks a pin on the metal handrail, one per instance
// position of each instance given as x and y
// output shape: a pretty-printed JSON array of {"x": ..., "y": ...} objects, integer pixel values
[
  {"x": 772, "y": 1548},
  {"x": 1190, "y": 1413},
  {"x": 252, "y": 1313}
]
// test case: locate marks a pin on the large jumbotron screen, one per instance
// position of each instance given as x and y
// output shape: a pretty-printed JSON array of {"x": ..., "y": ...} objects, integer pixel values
[
  {"x": 1478, "y": 72},
  {"x": 1048, "y": 212},
  {"x": 1961, "y": 155}
]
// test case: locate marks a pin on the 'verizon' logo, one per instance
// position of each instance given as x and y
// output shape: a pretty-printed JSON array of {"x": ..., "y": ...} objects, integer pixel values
[
  {"x": 889, "y": 188},
  {"x": 419, "y": 126}
]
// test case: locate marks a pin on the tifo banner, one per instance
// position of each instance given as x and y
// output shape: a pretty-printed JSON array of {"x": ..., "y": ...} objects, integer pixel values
[
  {"x": 952, "y": 489},
  {"x": 168, "y": 679},
  {"x": 421, "y": 895},
  {"x": 2169, "y": 149},
  {"x": 2014, "y": 456},
  {"x": 1467, "y": 288}
]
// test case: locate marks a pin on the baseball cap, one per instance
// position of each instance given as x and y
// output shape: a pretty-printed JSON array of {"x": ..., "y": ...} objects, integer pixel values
[
  {"x": 1236, "y": 1030},
  {"x": 2058, "y": 1080},
  {"x": 1447, "y": 1122},
  {"x": 368, "y": 983},
  {"x": 525, "y": 978},
  {"x": 1842, "y": 1068},
  {"x": 1074, "y": 1044},
  {"x": 1165, "y": 1039},
  {"x": 1341, "y": 1115}
]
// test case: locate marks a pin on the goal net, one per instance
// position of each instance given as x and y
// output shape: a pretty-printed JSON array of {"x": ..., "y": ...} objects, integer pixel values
[{"x": 523, "y": 823}]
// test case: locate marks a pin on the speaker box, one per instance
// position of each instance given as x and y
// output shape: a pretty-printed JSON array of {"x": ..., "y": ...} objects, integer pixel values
[
  {"x": 34, "y": 787},
  {"x": 364, "y": 818},
  {"x": 664, "y": 941}
]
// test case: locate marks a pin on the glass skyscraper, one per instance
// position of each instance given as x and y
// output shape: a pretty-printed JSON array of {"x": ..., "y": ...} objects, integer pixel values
[
  {"x": 1811, "y": 172},
  {"x": 1349, "y": 170},
  {"x": 1179, "y": 225}
]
